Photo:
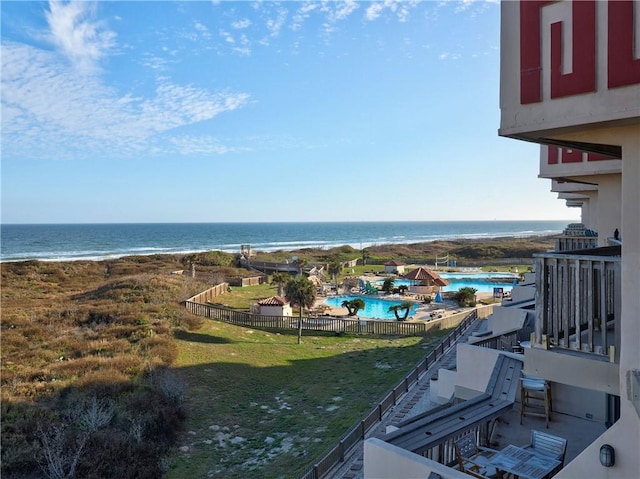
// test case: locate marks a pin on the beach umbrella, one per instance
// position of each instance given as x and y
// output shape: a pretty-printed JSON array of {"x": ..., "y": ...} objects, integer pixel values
[{"x": 438, "y": 298}]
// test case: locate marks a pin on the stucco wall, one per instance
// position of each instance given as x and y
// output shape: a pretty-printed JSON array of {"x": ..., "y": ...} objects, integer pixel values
[
  {"x": 385, "y": 461},
  {"x": 624, "y": 436},
  {"x": 506, "y": 320},
  {"x": 573, "y": 370},
  {"x": 474, "y": 368},
  {"x": 276, "y": 310}
]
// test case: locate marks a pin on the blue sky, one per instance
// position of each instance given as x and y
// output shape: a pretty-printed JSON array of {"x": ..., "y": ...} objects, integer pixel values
[{"x": 259, "y": 111}]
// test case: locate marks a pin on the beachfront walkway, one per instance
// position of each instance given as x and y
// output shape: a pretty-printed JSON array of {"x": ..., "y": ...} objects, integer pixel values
[{"x": 414, "y": 402}]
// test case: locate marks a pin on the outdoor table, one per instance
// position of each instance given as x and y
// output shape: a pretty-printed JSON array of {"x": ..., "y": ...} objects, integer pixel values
[{"x": 524, "y": 463}]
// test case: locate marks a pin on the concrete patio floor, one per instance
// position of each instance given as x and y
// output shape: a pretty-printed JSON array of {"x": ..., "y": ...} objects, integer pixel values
[{"x": 578, "y": 432}]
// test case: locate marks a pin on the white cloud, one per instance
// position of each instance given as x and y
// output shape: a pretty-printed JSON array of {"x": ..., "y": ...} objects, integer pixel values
[
  {"x": 399, "y": 7},
  {"x": 227, "y": 37},
  {"x": 156, "y": 63},
  {"x": 199, "y": 145},
  {"x": 274, "y": 25},
  {"x": 203, "y": 30},
  {"x": 449, "y": 56},
  {"x": 74, "y": 32},
  {"x": 464, "y": 5},
  {"x": 49, "y": 110},
  {"x": 343, "y": 10},
  {"x": 240, "y": 24},
  {"x": 303, "y": 13},
  {"x": 374, "y": 11}
]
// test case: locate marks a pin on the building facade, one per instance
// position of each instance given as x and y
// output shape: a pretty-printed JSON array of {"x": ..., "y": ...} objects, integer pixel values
[{"x": 570, "y": 81}]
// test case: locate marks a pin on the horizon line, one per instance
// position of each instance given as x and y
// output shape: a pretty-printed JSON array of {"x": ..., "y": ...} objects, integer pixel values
[{"x": 277, "y": 222}]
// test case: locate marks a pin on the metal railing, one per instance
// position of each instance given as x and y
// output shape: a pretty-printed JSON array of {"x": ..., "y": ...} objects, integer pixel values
[{"x": 338, "y": 452}]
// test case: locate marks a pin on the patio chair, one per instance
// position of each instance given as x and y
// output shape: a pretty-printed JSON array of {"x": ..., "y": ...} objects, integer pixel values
[
  {"x": 535, "y": 398},
  {"x": 550, "y": 445},
  {"x": 471, "y": 460}
]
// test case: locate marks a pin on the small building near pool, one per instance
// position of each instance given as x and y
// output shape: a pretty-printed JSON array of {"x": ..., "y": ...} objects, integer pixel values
[
  {"x": 425, "y": 281},
  {"x": 394, "y": 267},
  {"x": 274, "y": 306}
]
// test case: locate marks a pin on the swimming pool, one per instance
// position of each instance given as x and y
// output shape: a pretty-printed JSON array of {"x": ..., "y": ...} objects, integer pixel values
[
  {"x": 373, "y": 307},
  {"x": 481, "y": 282}
]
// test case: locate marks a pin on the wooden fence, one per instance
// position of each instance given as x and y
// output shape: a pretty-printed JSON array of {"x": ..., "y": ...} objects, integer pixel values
[
  {"x": 338, "y": 451},
  {"x": 247, "y": 281},
  {"x": 337, "y": 325},
  {"x": 209, "y": 294}
]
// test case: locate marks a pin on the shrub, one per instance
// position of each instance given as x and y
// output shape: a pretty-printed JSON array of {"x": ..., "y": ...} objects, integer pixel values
[
  {"x": 61, "y": 451},
  {"x": 161, "y": 348},
  {"x": 210, "y": 258},
  {"x": 466, "y": 296}
]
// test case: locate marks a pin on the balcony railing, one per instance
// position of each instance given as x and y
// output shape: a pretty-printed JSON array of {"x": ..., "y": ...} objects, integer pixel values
[
  {"x": 571, "y": 243},
  {"x": 578, "y": 300}
]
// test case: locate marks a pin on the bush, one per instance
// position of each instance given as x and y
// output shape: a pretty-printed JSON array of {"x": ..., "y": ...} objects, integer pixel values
[
  {"x": 466, "y": 297},
  {"x": 210, "y": 258},
  {"x": 86, "y": 337}
]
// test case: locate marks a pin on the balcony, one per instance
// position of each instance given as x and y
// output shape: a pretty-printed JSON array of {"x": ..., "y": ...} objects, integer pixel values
[
  {"x": 576, "y": 237},
  {"x": 561, "y": 163},
  {"x": 578, "y": 301}
]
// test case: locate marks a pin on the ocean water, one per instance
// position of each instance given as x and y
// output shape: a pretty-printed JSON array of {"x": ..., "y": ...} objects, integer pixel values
[{"x": 59, "y": 242}]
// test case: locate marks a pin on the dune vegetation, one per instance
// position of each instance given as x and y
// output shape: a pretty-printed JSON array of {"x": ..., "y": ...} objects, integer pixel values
[{"x": 105, "y": 374}]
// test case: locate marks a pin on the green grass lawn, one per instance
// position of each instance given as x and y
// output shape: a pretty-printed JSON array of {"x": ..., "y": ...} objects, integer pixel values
[
  {"x": 260, "y": 405},
  {"x": 241, "y": 298}
]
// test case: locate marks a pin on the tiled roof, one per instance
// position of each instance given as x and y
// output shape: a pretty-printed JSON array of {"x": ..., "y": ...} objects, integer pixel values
[
  {"x": 394, "y": 263},
  {"x": 273, "y": 301},
  {"x": 422, "y": 274}
]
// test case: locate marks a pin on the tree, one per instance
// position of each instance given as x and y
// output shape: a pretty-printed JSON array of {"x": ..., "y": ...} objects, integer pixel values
[
  {"x": 404, "y": 306},
  {"x": 466, "y": 296},
  {"x": 280, "y": 278},
  {"x": 365, "y": 256},
  {"x": 300, "y": 263},
  {"x": 300, "y": 292},
  {"x": 353, "y": 306},
  {"x": 335, "y": 268},
  {"x": 387, "y": 286},
  {"x": 403, "y": 288}
]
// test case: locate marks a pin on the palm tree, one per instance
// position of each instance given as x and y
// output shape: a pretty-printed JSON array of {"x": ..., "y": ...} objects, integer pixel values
[
  {"x": 335, "y": 268},
  {"x": 387, "y": 286},
  {"x": 280, "y": 278},
  {"x": 300, "y": 292},
  {"x": 301, "y": 263},
  {"x": 353, "y": 306},
  {"x": 365, "y": 256},
  {"x": 405, "y": 305}
]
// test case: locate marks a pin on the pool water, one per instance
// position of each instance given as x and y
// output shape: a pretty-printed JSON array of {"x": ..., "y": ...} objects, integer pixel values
[
  {"x": 481, "y": 282},
  {"x": 373, "y": 307}
]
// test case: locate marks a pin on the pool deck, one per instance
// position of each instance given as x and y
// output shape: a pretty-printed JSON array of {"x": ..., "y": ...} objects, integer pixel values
[{"x": 425, "y": 312}]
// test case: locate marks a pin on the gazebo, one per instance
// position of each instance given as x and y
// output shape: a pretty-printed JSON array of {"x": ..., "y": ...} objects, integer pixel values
[{"x": 425, "y": 281}]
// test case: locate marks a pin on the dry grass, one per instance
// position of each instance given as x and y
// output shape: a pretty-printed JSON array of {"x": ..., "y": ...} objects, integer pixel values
[
  {"x": 83, "y": 330},
  {"x": 80, "y": 330}
]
